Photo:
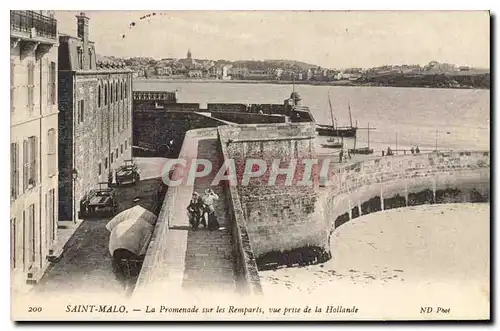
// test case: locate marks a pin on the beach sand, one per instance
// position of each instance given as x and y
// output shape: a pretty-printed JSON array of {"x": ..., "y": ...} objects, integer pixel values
[{"x": 391, "y": 264}]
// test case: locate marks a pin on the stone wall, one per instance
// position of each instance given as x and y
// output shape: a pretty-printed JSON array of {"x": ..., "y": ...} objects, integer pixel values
[
  {"x": 246, "y": 265},
  {"x": 154, "y": 128},
  {"x": 282, "y": 220},
  {"x": 267, "y": 108},
  {"x": 227, "y": 107},
  {"x": 279, "y": 225},
  {"x": 95, "y": 141},
  {"x": 407, "y": 180},
  {"x": 183, "y": 107},
  {"x": 156, "y": 263},
  {"x": 249, "y": 118}
]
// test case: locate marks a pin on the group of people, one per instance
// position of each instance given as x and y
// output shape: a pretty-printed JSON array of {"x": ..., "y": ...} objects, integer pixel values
[
  {"x": 415, "y": 151},
  {"x": 390, "y": 151},
  {"x": 201, "y": 210},
  {"x": 343, "y": 156}
]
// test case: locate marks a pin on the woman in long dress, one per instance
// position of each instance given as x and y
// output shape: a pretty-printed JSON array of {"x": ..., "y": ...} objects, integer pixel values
[{"x": 208, "y": 201}]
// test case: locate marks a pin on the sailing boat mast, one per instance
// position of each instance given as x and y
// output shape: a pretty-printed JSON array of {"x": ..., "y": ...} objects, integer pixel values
[
  {"x": 331, "y": 110},
  {"x": 350, "y": 117},
  {"x": 368, "y": 134}
]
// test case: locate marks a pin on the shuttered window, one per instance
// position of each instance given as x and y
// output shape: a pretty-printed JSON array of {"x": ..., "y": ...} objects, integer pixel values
[
  {"x": 13, "y": 243},
  {"x": 50, "y": 217},
  {"x": 30, "y": 155},
  {"x": 26, "y": 165},
  {"x": 52, "y": 84},
  {"x": 31, "y": 86},
  {"x": 33, "y": 160},
  {"x": 51, "y": 152},
  {"x": 30, "y": 244},
  {"x": 14, "y": 170}
]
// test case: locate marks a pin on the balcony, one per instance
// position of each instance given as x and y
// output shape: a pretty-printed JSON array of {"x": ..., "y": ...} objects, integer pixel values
[{"x": 32, "y": 26}]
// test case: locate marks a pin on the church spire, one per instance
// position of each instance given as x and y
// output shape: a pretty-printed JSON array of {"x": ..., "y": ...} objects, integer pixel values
[{"x": 189, "y": 54}]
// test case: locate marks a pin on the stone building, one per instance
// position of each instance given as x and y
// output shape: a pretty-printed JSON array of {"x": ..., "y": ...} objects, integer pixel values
[
  {"x": 95, "y": 118},
  {"x": 34, "y": 131}
]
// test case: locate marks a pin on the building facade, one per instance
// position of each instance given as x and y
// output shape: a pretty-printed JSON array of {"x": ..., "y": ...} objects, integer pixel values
[
  {"x": 34, "y": 132},
  {"x": 95, "y": 118}
]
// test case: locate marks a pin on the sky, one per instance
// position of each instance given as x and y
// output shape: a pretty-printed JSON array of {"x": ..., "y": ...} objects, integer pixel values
[{"x": 331, "y": 39}]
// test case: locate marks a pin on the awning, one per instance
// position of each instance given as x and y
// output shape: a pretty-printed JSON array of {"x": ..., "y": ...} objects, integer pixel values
[{"x": 132, "y": 230}]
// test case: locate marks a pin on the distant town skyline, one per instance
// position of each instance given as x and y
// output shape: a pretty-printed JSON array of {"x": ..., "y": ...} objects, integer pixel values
[{"x": 330, "y": 39}]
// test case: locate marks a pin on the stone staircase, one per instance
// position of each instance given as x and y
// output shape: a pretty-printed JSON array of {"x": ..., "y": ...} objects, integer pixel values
[{"x": 209, "y": 260}]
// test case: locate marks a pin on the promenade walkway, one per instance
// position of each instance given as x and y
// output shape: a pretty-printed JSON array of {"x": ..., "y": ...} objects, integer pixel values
[{"x": 209, "y": 260}]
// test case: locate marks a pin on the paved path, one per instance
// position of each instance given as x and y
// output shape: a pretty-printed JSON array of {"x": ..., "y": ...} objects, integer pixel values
[
  {"x": 85, "y": 264},
  {"x": 209, "y": 260}
]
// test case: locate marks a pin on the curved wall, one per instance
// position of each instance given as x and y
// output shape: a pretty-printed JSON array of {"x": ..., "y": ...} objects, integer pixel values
[{"x": 407, "y": 180}]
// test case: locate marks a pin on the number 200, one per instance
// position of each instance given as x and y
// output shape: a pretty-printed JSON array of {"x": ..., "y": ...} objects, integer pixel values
[{"x": 34, "y": 309}]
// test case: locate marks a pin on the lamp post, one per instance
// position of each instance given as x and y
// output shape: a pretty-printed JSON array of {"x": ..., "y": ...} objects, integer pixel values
[{"x": 74, "y": 175}]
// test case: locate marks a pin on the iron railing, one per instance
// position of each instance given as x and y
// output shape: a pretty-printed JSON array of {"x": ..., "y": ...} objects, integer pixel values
[{"x": 26, "y": 20}]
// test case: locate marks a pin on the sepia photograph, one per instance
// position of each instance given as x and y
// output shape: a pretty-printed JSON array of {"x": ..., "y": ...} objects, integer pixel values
[{"x": 217, "y": 165}]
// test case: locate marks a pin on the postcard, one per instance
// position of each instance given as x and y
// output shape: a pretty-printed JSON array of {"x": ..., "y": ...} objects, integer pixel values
[{"x": 250, "y": 165}]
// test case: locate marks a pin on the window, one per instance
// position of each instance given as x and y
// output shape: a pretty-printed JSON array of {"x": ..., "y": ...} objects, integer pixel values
[
  {"x": 80, "y": 58},
  {"x": 125, "y": 109},
  {"x": 111, "y": 92},
  {"x": 30, "y": 162},
  {"x": 31, "y": 86},
  {"x": 105, "y": 94},
  {"x": 116, "y": 91},
  {"x": 99, "y": 96},
  {"x": 12, "y": 84},
  {"x": 14, "y": 170},
  {"x": 26, "y": 164},
  {"x": 33, "y": 163},
  {"x": 121, "y": 149},
  {"x": 111, "y": 161},
  {"x": 116, "y": 153},
  {"x": 52, "y": 83},
  {"x": 106, "y": 163},
  {"x": 81, "y": 111},
  {"x": 118, "y": 114},
  {"x": 90, "y": 58},
  {"x": 30, "y": 237},
  {"x": 50, "y": 217},
  {"x": 13, "y": 243},
  {"x": 126, "y": 90},
  {"x": 51, "y": 152},
  {"x": 101, "y": 132},
  {"x": 121, "y": 90},
  {"x": 126, "y": 144},
  {"x": 112, "y": 122},
  {"x": 99, "y": 169}
]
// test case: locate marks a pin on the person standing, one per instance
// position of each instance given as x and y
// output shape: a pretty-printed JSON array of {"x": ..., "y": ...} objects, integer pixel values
[
  {"x": 341, "y": 155},
  {"x": 195, "y": 212},
  {"x": 208, "y": 201}
]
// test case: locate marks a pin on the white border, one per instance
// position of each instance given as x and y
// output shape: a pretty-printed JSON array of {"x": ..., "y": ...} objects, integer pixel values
[{"x": 186, "y": 5}]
